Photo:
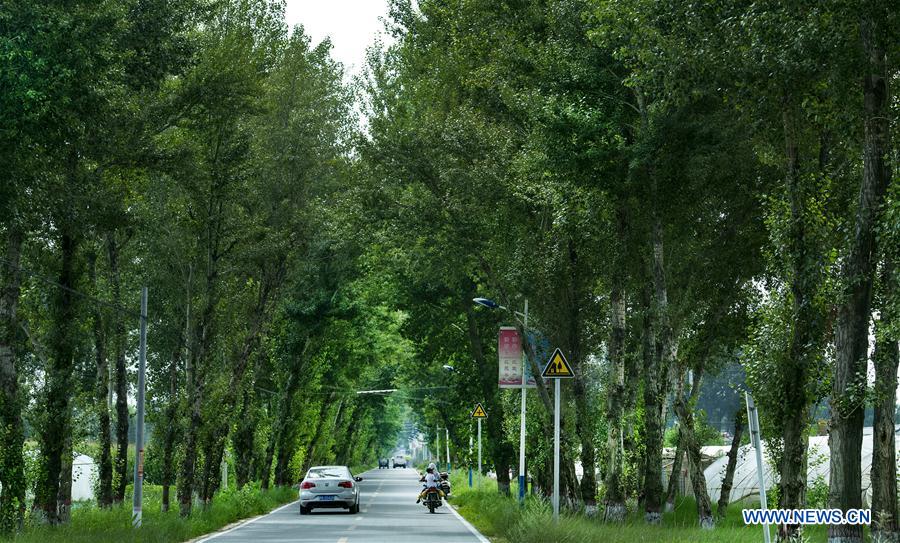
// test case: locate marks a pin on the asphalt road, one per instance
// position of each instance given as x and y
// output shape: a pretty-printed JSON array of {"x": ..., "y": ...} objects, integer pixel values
[{"x": 388, "y": 513}]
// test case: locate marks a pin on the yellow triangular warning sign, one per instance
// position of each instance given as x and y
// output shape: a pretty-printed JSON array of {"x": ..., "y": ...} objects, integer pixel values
[
  {"x": 479, "y": 412},
  {"x": 558, "y": 367}
]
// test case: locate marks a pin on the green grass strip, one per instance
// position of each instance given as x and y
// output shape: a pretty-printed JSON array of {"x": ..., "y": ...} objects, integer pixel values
[
  {"x": 91, "y": 524},
  {"x": 503, "y": 520}
]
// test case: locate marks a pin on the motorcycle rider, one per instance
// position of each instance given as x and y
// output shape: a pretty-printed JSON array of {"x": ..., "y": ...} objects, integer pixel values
[{"x": 432, "y": 479}]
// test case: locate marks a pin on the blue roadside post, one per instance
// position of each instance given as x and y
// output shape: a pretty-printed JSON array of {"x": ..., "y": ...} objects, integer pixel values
[
  {"x": 470, "y": 461},
  {"x": 447, "y": 444}
]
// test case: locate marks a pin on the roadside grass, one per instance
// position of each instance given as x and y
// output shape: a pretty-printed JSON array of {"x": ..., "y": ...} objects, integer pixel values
[
  {"x": 362, "y": 468},
  {"x": 91, "y": 524},
  {"x": 502, "y": 520}
]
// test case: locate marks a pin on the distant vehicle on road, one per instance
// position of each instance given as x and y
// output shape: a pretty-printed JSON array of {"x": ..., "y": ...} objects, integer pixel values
[
  {"x": 383, "y": 463},
  {"x": 399, "y": 461},
  {"x": 329, "y": 487}
]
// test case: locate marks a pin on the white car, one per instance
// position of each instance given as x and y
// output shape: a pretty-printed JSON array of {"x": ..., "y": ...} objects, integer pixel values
[{"x": 329, "y": 487}]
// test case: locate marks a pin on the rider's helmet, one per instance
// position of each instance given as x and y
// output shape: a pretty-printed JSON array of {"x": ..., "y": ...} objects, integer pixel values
[{"x": 431, "y": 467}]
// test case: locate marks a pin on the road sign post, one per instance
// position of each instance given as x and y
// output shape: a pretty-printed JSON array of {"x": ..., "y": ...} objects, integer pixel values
[
  {"x": 479, "y": 452},
  {"x": 557, "y": 368},
  {"x": 447, "y": 444},
  {"x": 556, "y": 393},
  {"x": 753, "y": 423},
  {"x": 137, "y": 504},
  {"x": 470, "y": 461},
  {"x": 479, "y": 413}
]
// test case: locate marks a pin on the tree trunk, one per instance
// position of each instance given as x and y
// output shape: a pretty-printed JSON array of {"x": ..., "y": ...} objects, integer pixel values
[
  {"x": 56, "y": 429},
  {"x": 104, "y": 468},
  {"x": 283, "y": 459},
  {"x": 615, "y": 496},
  {"x": 215, "y": 447},
  {"x": 728, "y": 478},
  {"x": 683, "y": 408},
  {"x": 804, "y": 343},
  {"x": 197, "y": 385},
  {"x": 698, "y": 479},
  {"x": 64, "y": 496},
  {"x": 243, "y": 441},
  {"x": 653, "y": 423},
  {"x": 675, "y": 478},
  {"x": 194, "y": 392},
  {"x": 173, "y": 424},
  {"x": 852, "y": 330},
  {"x": 584, "y": 418},
  {"x": 884, "y": 462},
  {"x": 667, "y": 349},
  {"x": 281, "y": 411},
  {"x": 172, "y": 414},
  {"x": 266, "y": 468},
  {"x": 213, "y": 453},
  {"x": 286, "y": 436},
  {"x": 168, "y": 460},
  {"x": 119, "y": 339},
  {"x": 12, "y": 434},
  {"x": 348, "y": 434}
]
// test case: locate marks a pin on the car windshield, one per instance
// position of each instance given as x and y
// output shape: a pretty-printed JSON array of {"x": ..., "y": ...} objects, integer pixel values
[{"x": 322, "y": 473}]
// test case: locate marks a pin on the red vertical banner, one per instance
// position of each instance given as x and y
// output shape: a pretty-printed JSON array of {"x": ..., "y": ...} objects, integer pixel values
[{"x": 509, "y": 349}]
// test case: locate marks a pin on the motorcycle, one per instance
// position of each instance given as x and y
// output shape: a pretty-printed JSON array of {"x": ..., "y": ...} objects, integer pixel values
[
  {"x": 445, "y": 484},
  {"x": 432, "y": 500}
]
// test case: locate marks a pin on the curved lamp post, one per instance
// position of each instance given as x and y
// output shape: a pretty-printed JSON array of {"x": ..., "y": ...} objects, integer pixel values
[{"x": 491, "y": 304}]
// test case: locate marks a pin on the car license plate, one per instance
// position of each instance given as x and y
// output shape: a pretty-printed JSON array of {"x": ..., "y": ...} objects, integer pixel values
[{"x": 326, "y": 498}]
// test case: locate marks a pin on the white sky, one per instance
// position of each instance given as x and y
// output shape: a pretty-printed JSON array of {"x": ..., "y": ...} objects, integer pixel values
[{"x": 351, "y": 24}]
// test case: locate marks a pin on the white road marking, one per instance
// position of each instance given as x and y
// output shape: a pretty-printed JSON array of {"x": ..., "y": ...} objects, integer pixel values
[
  {"x": 342, "y": 540},
  {"x": 251, "y": 521},
  {"x": 466, "y": 523}
]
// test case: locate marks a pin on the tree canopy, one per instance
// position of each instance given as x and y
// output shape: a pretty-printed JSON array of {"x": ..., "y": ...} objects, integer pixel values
[{"x": 686, "y": 196}]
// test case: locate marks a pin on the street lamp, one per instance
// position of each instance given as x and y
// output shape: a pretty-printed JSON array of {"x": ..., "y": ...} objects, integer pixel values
[
  {"x": 486, "y": 302},
  {"x": 491, "y": 304}
]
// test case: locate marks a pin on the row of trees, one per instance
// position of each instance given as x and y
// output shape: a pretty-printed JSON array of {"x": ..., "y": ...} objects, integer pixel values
[
  {"x": 200, "y": 149},
  {"x": 674, "y": 187}
]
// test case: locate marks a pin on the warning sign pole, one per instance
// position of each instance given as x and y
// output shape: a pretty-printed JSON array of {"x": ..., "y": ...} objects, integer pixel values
[
  {"x": 478, "y": 413},
  {"x": 479, "y": 452},
  {"x": 556, "y": 392},
  {"x": 557, "y": 368}
]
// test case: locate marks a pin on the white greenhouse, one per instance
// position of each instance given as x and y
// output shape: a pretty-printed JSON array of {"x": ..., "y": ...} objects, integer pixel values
[
  {"x": 746, "y": 483},
  {"x": 84, "y": 473}
]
